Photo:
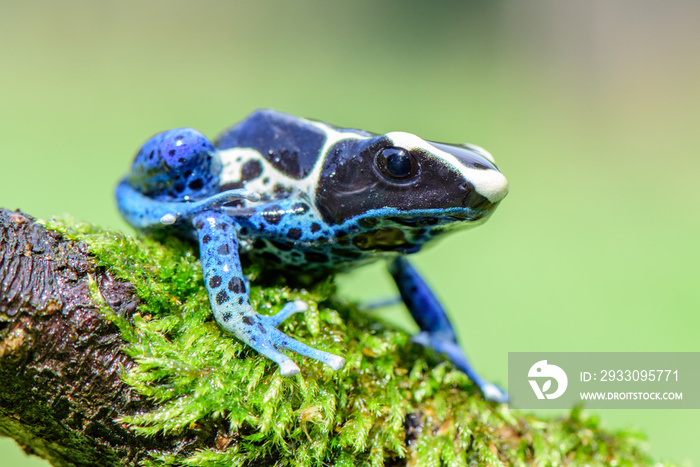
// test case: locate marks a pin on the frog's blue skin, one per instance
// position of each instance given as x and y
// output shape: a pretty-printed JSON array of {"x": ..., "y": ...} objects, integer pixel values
[{"x": 299, "y": 195}]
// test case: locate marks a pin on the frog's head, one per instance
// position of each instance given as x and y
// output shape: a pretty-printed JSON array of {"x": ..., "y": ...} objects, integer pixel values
[{"x": 405, "y": 190}]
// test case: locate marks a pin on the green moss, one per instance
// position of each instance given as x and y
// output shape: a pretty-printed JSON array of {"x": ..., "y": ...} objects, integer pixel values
[{"x": 393, "y": 403}]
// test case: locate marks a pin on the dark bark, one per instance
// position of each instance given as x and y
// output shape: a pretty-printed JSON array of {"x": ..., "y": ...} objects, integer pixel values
[{"x": 60, "y": 359}]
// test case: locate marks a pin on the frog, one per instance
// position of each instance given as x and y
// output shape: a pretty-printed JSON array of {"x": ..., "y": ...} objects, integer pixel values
[{"x": 303, "y": 196}]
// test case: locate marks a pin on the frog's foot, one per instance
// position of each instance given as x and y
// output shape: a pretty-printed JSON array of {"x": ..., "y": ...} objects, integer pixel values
[
  {"x": 443, "y": 344},
  {"x": 230, "y": 302},
  {"x": 264, "y": 337}
]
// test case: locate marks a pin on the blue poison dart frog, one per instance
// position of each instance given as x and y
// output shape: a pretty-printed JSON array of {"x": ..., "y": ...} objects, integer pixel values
[{"x": 303, "y": 196}]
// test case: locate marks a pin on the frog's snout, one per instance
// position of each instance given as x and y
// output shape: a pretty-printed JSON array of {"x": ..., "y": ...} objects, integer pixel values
[
  {"x": 480, "y": 172},
  {"x": 492, "y": 184},
  {"x": 484, "y": 191}
]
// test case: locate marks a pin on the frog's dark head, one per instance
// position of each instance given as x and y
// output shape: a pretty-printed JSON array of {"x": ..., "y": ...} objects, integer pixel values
[
  {"x": 176, "y": 164},
  {"x": 401, "y": 178}
]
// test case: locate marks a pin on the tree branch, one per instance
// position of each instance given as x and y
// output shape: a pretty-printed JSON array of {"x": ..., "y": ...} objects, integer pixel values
[
  {"x": 109, "y": 356},
  {"x": 60, "y": 359}
]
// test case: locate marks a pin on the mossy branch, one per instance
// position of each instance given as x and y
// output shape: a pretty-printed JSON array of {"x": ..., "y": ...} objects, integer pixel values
[{"x": 109, "y": 356}]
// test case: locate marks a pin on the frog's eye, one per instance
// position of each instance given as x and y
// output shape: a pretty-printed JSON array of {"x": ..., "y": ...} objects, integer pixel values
[{"x": 396, "y": 164}]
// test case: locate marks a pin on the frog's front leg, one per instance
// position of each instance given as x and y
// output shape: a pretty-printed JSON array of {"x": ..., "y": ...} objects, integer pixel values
[
  {"x": 436, "y": 330},
  {"x": 230, "y": 302}
]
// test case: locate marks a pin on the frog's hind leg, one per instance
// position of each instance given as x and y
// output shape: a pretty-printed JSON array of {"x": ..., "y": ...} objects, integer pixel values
[
  {"x": 147, "y": 213},
  {"x": 436, "y": 330},
  {"x": 230, "y": 301},
  {"x": 175, "y": 176}
]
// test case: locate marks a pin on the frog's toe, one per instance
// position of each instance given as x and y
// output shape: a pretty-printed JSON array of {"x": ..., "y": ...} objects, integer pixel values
[
  {"x": 265, "y": 344},
  {"x": 288, "y": 368},
  {"x": 268, "y": 340},
  {"x": 289, "y": 309},
  {"x": 422, "y": 338},
  {"x": 333, "y": 361},
  {"x": 444, "y": 344},
  {"x": 493, "y": 393},
  {"x": 217, "y": 200},
  {"x": 384, "y": 302},
  {"x": 231, "y": 195}
]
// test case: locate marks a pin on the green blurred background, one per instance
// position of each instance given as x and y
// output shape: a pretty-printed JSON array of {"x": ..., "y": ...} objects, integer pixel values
[{"x": 590, "y": 108}]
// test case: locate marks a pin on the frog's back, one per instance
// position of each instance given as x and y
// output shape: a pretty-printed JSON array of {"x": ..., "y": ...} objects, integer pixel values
[
  {"x": 276, "y": 154},
  {"x": 290, "y": 144}
]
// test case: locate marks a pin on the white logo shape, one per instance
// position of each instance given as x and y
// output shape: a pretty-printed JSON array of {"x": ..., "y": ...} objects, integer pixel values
[{"x": 542, "y": 370}]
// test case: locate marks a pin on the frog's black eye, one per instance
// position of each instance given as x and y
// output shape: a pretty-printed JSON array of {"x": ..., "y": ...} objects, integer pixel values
[{"x": 396, "y": 164}]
